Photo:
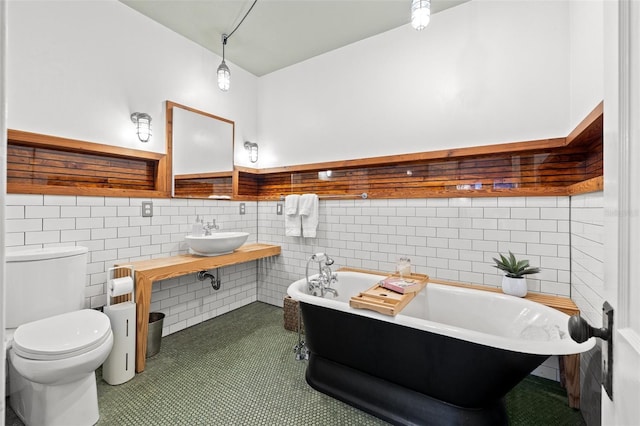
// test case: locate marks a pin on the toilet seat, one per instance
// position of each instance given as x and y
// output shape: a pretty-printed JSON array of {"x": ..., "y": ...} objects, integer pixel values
[{"x": 62, "y": 336}]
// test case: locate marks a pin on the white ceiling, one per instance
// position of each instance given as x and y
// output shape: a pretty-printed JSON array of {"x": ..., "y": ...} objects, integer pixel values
[{"x": 279, "y": 33}]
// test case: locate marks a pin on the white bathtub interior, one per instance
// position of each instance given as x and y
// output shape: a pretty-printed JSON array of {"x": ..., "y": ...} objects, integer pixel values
[{"x": 481, "y": 317}]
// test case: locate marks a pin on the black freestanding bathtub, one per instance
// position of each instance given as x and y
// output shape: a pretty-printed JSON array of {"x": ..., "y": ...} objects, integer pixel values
[{"x": 448, "y": 359}]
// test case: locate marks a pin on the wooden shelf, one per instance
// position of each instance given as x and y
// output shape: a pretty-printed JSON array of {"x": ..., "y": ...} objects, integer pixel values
[
  {"x": 43, "y": 164},
  {"x": 149, "y": 271},
  {"x": 561, "y": 166},
  {"x": 547, "y": 167},
  {"x": 204, "y": 185},
  {"x": 560, "y": 303},
  {"x": 563, "y": 304}
]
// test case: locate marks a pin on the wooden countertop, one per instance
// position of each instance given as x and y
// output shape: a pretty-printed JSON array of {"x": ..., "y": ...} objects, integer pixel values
[
  {"x": 182, "y": 264},
  {"x": 560, "y": 303}
]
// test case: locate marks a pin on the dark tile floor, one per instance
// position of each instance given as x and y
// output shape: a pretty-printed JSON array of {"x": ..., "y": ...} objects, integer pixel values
[{"x": 239, "y": 369}]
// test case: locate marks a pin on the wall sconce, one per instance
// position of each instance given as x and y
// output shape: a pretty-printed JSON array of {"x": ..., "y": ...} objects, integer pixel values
[
  {"x": 143, "y": 125},
  {"x": 325, "y": 175},
  {"x": 252, "y": 147}
]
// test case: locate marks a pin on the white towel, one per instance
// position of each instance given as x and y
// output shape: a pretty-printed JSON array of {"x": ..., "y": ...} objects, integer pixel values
[
  {"x": 291, "y": 204},
  {"x": 291, "y": 217},
  {"x": 308, "y": 210}
]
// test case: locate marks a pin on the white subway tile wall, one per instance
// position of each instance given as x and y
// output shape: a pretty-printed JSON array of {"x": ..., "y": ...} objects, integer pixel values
[
  {"x": 186, "y": 301},
  {"x": 549, "y": 369},
  {"x": 452, "y": 239},
  {"x": 587, "y": 289},
  {"x": 587, "y": 255},
  {"x": 114, "y": 231}
]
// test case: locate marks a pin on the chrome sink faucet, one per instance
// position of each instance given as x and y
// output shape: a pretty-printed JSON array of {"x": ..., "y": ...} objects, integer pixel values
[
  {"x": 210, "y": 227},
  {"x": 322, "y": 284}
]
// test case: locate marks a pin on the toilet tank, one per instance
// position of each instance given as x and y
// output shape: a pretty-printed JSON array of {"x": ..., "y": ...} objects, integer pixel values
[{"x": 43, "y": 282}]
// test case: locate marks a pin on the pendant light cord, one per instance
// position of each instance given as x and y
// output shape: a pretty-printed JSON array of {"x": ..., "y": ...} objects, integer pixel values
[
  {"x": 239, "y": 23},
  {"x": 223, "y": 70}
]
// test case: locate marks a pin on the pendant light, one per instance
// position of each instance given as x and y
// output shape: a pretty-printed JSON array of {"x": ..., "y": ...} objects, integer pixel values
[
  {"x": 224, "y": 75},
  {"x": 420, "y": 13}
]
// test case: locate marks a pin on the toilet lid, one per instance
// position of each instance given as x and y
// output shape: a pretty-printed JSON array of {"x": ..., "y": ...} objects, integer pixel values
[{"x": 62, "y": 336}]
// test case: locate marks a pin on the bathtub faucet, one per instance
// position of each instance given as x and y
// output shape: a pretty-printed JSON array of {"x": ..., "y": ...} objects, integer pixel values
[{"x": 322, "y": 284}]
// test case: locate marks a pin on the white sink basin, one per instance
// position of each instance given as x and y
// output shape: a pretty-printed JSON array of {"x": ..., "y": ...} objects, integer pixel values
[{"x": 216, "y": 244}]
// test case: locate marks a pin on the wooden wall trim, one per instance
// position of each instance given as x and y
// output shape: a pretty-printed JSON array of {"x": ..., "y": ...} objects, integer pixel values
[
  {"x": 590, "y": 126},
  {"x": 171, "y": 104},
  {"x": 547, "y": 167},
  {"x": 205, "y": 187},
  {"x": 165, "y": 178},
  {"x": 595, "y": 184},
  {"x": 204, "y": 175},
  {"x": 417, "y": 157},
  {"x": 82, "y": 191},
  {"x": 557, "y": 166},
  {"x": 21, "y": 137},
  {"x": 44, "y": 164}
]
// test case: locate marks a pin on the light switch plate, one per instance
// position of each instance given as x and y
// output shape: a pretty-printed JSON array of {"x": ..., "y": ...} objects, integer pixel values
[
  {"x": 147, "y": 209},
  {"x": 279, "y": 209}
]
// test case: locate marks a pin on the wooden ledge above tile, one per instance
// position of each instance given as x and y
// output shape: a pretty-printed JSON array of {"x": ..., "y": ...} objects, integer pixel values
[
  {"x": 562, "y": 166},
  {"x": 44, "y": 164}
]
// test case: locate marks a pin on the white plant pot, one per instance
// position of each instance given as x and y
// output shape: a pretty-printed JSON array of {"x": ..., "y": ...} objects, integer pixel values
[{"x": 514, "y": 286}]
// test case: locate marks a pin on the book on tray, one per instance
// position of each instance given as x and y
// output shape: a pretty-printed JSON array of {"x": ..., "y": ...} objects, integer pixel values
[{"x": 401, "y": 285}]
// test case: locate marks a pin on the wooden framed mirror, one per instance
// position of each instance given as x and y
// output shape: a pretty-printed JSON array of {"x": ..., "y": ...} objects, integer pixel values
[{"x": 202, "y": 147}]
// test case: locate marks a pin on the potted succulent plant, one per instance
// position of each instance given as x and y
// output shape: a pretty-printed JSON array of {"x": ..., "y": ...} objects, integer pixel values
[{"x": 514, "y": 281}]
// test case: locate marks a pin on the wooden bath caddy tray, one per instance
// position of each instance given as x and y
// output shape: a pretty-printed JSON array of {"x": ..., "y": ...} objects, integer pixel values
[{"x": 385, "y": 301}]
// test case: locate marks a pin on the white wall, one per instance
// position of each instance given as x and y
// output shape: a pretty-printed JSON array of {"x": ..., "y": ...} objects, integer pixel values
[
  {"x": 3, "y": 174},
  {"x": 483, "y": 72},
  {"x": 509, "y": 71},
  {"x": 78, "y": 69},
  {"x": 502, "y": 68},
  {"x": 586, "y": 58}
]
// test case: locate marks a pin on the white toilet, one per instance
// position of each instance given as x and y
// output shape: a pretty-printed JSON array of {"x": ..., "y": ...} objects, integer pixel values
[{"x": 53, "y": 345}]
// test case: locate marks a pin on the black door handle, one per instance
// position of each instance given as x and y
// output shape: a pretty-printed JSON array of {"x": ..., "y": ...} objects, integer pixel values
[{"x": 581, "y": 331}]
